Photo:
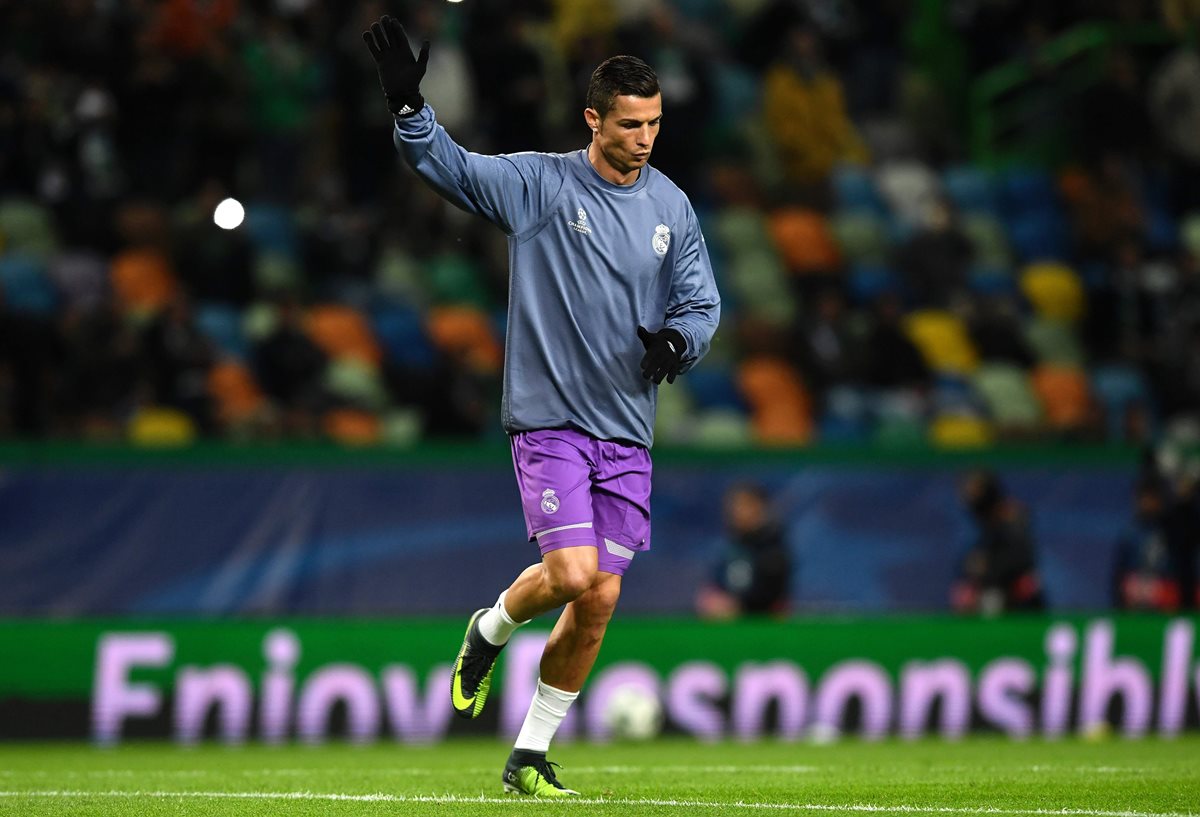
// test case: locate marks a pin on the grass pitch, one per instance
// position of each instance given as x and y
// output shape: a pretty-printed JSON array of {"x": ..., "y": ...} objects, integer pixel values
[{"x": 1116, "y": 778}]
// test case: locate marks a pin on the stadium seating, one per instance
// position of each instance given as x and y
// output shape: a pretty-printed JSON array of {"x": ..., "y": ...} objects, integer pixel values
[
  {"x": 26, "y": 286},
  {"x": 342, "y": 332},
  {"x": 943, "y": 340},
  {"x": 1054, "y": 290},
  {"x": 780, "y": 406},
  {"x": 1065, "y": 396},
  {"x": 1010, "y": 401},
  {"x": 142, "y": 281}
]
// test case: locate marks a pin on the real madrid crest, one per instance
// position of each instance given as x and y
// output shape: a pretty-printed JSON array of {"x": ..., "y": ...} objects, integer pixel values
[
  {"x": 550, "y": 502},
  {"x": 662, "y": 239}
]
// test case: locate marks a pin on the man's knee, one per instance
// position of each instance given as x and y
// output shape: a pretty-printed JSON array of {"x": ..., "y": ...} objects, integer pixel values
[
  {"x": 570, "y": 572},
  {"x": 597, "y": 605}
]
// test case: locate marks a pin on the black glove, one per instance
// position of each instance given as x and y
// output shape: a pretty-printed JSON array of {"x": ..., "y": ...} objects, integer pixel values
[
  {"x": 664, "y": 354},
  {"x": 399, "y": 74}
]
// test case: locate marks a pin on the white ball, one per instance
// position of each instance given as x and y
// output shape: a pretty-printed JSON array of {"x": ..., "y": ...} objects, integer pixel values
[
  {"x": 229, "y": 214},
  {"x": 633, "y": 712}
]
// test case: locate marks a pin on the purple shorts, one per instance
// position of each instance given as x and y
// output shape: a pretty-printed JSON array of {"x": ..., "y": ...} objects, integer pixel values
[{"x": 577, "y": 490}]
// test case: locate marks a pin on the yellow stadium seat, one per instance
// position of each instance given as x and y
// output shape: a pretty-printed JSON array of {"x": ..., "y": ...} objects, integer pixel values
[
  {"x": 157, "y": 427},
  {"x": 1054, "y": 290},
  {"x": 943, "y": 341},
  {"x": 960, "y": 431}
]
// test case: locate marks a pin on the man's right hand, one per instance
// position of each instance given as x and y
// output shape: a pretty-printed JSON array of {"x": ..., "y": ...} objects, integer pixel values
[{"x": 399, "y": 73}]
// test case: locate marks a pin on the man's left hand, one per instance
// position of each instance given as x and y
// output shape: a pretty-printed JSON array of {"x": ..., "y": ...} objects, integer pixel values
[{"x": 664, "y": 354}]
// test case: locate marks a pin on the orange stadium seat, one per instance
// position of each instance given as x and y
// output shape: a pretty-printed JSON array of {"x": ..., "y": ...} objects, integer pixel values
[
  {"x": 142, "y": 281},
  {"x": 780, "y": 406},
  {"x": 342, "y": 332},
  {"x": 238, "y": 397},
  {"x": 350, "y": 426},
  {"x": 1065, "y": 395},
  {"x": 465, "y": 333},
  {"x": 804, "y": 240}
]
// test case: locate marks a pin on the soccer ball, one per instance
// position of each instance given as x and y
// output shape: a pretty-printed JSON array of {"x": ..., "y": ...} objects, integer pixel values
[{"x": 633, "y": 712}]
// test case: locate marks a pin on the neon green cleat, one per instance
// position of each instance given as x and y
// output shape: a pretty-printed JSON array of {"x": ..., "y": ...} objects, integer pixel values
[
  {"x": 473, "y": 670},
  {"x": 530, "y": 773}
]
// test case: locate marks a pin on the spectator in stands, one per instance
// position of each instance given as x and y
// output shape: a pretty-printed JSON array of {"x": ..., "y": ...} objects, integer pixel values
[
  {"x": 893, "y": 361},
  {"x": 995, "y": 326},
  {"x": 290, "y": 368},
  {"x": 683, "y": 63},
  {"x": 177, "y": 357},
  {"x": 935, "y": 260},
  {"x": 826, "y": 350},
  {"x": 1156, "y": 556},
  {"x": 30, "y": 354},
  {"x": 1113, "y": 117},
  {"x": 999, "y": 573},
  {"x": 805, "y": 112},
  {"x": 752, "y": 574}
]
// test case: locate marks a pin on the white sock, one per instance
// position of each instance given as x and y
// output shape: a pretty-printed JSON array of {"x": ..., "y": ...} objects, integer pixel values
[
  {"x": 547, "y": 711},
  {"x": 496, "y": 625}
]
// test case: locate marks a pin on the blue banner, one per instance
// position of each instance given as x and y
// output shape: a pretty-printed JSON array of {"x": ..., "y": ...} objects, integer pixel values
[{"x": 164, "y": 538}]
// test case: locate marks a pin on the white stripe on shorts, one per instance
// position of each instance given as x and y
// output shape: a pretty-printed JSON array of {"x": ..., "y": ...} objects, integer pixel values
[
  {"x": 618, "y": 550},
  {"x": 539, "y": 536}
]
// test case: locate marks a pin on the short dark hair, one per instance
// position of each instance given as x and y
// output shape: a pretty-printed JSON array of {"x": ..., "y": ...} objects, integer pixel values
[{"x": 620, "y": 76}]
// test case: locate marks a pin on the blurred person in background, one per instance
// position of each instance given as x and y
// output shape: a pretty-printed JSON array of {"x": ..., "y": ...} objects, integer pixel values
[
  {"x": 601, "y": 245},
  {"x": 1157, "y": 556},
  {"x": 934, "y": 261},
  {"x": 805, "y": 112},
  {"x": 752, "y": 574},
  {"x": 999, "y": 573}
]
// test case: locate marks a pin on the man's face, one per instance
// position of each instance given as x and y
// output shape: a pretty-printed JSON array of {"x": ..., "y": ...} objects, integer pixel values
[{"x": 626, "y": 134}]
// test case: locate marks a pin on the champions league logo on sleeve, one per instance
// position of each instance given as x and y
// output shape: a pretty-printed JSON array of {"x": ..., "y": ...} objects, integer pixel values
[
  {"x": 550, "y": 502},
  {"x": 662, "y": 239}
]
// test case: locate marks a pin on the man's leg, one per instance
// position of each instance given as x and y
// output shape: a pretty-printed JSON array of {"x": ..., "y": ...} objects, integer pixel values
[
  {"x": 575, "y": 641},
  {"x": 566, "y": 662},
  {"x": 554, "y": 478},
  {"x": 563, "y": 576}
]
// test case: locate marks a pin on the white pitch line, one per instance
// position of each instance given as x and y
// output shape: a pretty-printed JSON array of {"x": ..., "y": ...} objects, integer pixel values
[
  {"x": 593, "y": 801},
  {"x": 410, "y": 771}
]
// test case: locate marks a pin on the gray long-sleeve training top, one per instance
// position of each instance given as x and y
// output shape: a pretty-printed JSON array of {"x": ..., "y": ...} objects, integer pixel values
[{"x": 589, "y": 261}]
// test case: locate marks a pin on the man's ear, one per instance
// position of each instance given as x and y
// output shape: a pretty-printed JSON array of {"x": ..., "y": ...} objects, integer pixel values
[{"x": 592, "y": 118}]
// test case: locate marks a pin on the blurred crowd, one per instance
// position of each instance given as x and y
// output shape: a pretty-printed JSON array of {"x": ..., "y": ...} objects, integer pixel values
[
  {"x": 1154, "y": 564},
  {"x": 881, "y": 282}
]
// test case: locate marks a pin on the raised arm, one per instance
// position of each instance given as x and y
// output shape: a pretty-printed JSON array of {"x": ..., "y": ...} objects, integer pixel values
[{"x": 510, "y": 191}]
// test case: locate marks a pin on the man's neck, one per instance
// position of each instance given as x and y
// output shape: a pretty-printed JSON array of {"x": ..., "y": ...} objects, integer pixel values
[{"x": 607, "y": 171}]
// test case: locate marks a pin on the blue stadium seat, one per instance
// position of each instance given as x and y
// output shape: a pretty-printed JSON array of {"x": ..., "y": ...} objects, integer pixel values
[
  {"x": 956, "y": 395},
  {"x": 1027, "y": 189},
  {"x": 222, "y": 324},
  {"x": 847, "y": 415},
  {"x": 713, "y": 387},
  {"x": 972, "y": 189},
  {"x": 1162, "y": 231},
  {"x": 271, "y": 229},
  {"x": 401, "y": 333},
  {"x": 854, "y": 189},
  {"x": 26, "y": 286},
  {"x": 1040, "y": 235},
  {"x": 992, "y": 280},
  {"x": 1119, "y": 388},
  {"x": 866, "y": 282}
]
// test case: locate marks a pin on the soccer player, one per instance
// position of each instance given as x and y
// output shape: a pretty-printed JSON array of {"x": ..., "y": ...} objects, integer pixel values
[{"x": 610, "y": 292}]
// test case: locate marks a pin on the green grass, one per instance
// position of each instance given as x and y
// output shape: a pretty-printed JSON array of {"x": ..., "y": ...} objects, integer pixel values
[{"x": 670, "y": 777}]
